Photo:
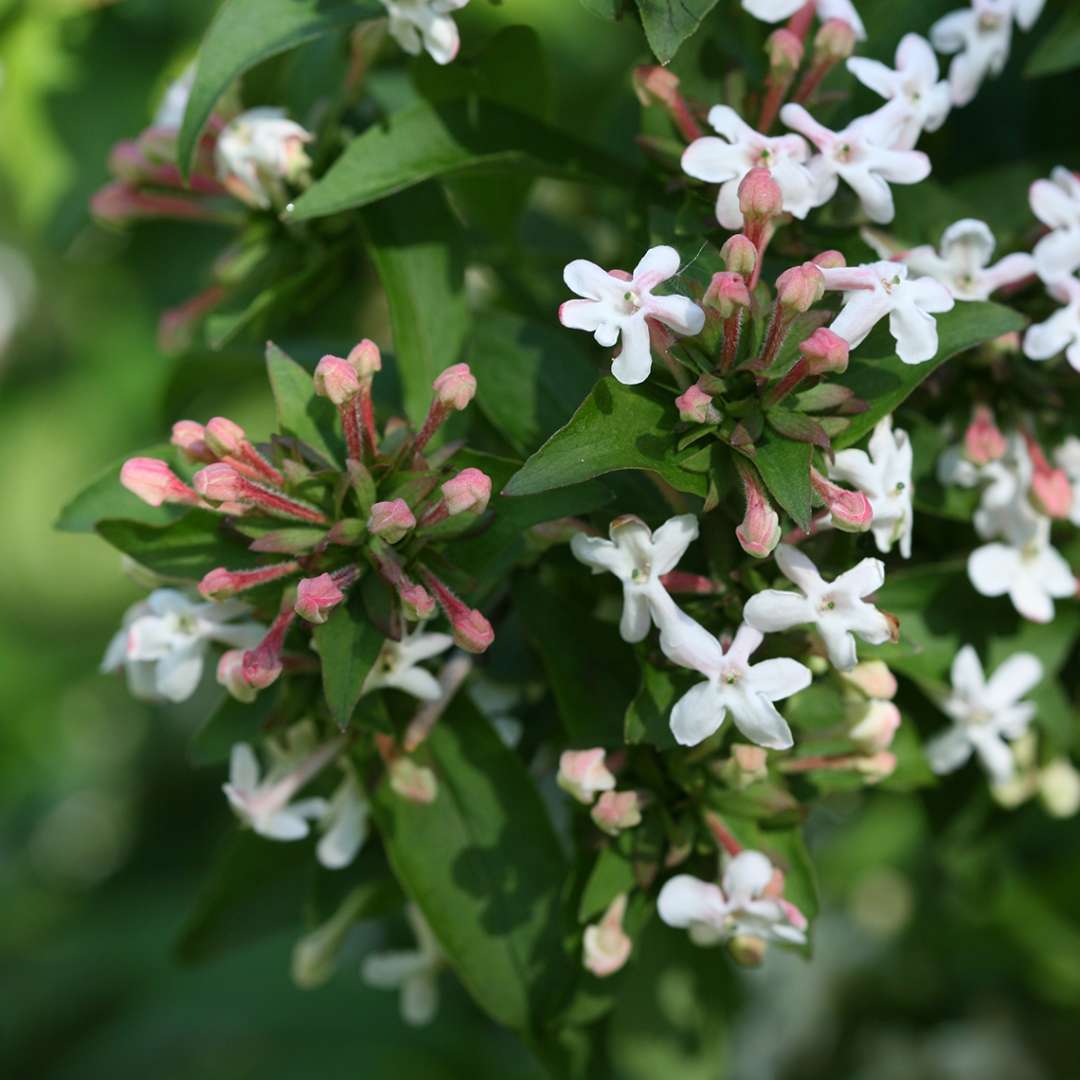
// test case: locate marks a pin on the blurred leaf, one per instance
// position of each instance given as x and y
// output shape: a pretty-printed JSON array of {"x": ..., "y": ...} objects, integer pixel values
[
  {"x": 188, "y": 548},
  {"x": 419, "y": 253},
  {"x": 647, "y": 718},
  {"x": 615, "y": 427},
  {"x": 784, "y": 466},
  {"x": 606, "y": 9},
  {"x": 668, "y": 23},
  {"x": 1059, "y": 50},
  {"x": 485, "y": 867},
  {"x": 246, "y": 32},
  {"x": 300, "y": 411},
  {"x": 612, "y": 873},
  {"x": 230, "y": 723},
  {"x": 348, "y": 645}
]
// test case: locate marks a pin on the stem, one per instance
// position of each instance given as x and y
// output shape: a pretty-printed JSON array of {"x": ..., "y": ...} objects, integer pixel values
[
  {"x": 732, "y": 334},
  {"x": 799, "y": 23},
  {"x": 774, "y": 98},
  {"x": 350, "y": 424},
  {"x": 811, "y": 81},
  {"x": 778, "y": 328},
  {"x": 721, "y": 834},
  {"x": 453, "y": 674},
  {"x": 366, "y": 412},
  {"x": 822, "y": 522},
  {"x": 436, "y": 415},
  {"x": 788, "y": 383},
  {"x": 274, "y": 502}
]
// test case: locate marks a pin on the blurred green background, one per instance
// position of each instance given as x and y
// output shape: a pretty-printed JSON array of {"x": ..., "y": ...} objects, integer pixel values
[{"x": 950, "y": 946}]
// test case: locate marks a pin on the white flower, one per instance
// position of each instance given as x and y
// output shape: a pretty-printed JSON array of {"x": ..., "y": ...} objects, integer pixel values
[
  {"x": 258, "y": 152},
  {"x": 414, "y": 972},
  {"x": 397, "y": 666},
  {"x": 1061, "y": 332},
  {"x": 917, "y": 101},
  {"x": 837, "y": 608},
  {"x": 344, "y": 826},
  {"x": 638, "y": 558},
  {"x": 985, "y": 713},
  {"x": 883, "y": 288},
  {"x": 417, "y": 25},
  {"x": 981, "y": 37},
  {"x": 606, "y": 945},
  {"x": 726, "y": 161},
  {"x": 772, "y": 11},
  {"x": 739, "y": 905},
  {"x": 164, "y": 639},
  {"x": 845, "y": 11},
  {"x": 1027, "y": 568},
  {"x": 884, "y": 476},
  {"x": 748, "y": 691},
  {"x": 617, "y": 304},
  {"x": 963, "y": 265},
  {"x": 1067, "y": 457},
  {"x": 860, "y": 156},
  {"x": 1056, "y": 203}
]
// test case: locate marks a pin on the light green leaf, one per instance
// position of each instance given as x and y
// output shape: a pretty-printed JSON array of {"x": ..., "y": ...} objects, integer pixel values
[
  {"x": 1059, "y": 50},
  {"x": 648, "y": 717},
  {"x": 612, "y": 873},
  {"x": 668, "y": 23},
  {"x": 348, "y": 644},
  {"x": 300, "y": 411}
]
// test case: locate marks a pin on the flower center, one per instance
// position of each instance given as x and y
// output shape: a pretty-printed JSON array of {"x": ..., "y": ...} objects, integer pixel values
[
  {"x": 631, "y": 301},
  {"x": 827, "y": 604}
]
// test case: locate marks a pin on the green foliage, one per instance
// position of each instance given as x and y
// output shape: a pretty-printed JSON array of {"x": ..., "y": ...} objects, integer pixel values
[
  {"x": 301, "y": 413},
  {"x": 1059, "y": 50},
  {"x": 668, "y": 23}
]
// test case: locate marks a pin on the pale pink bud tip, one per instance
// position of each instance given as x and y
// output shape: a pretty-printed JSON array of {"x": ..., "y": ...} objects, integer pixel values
[
  {"x": 414, "y": 783},
  {"x": 154, "y": 482},
  {"x": 835, "y": 41},
  {"x": 336, "y": 379},
  {"x": 391, "y": 520},
  {"x": 365, "y": 358},
  {"x": 617, "y": 810},
  {"x": 876, "y": 727},
  {"x": 219, "y": 482},
  {"x": 759, "y": 532},
  {"x": 877, "y": 767},
  {"x": 607, "y": 946},
  {"x": 726, "y": 293},
  {"x": 261, "y": 667},
  {"x": 224, "y": 437},
  {"x": 583, "y": 773},
  {"x": 468, "y": 492},
  {"x": 850, "y": 510},
  {"x": 652, "y": 82},
  {"x": 830, "y": 260},
  {"x": 983, "y": 440},
  {"x": 696, "y": 407},
  {"x": 316, "y": 597},
  {"x": 739, "y": 254},
  {"x": 801, "y": 287},
  {"x": 217, "y": 584},
  {"x": 760, "y": 197},
  {"x": 190, "y": 439},
  {"x": 1051, "y": 492},
  {"x": 785, "y": 52},
  {"x": 825, "y": 352},
  {"x": 455, "y": 387},
  {"x": 230, "y": 674},
  {"x": 874, "y": 679},
  {"x": 472, "y": 632},
  {"x": 417, "y": 602}
]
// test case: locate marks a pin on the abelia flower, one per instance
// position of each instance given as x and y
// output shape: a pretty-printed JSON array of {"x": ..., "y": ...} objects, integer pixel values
[
  {"x": 916, "y": 100},
  {"x": 985, "y": 712},
  {"x": 1067, "y": 456},
  {"x": 1061, "y": 332},
  {"x": 606, "y": 944},
  {"x": 425, "y": 26},
  {"x": 413, "y": 972},
  {"x": 584, "y": 773},
  {"x": 747, "y": 690},
  {"x": 164, "y": 639},
  {"x": 962, "y": 263},
  {"x": 1056, "y": 203},
  {"x": 883, "y": 288},
  {"x": 258, "y": 152},
  {"x": 882, "y": 473},
  {"x": 980, "y": 37},
  {"x": 836, "y": 608},
  {"x": 859, "y": 155},
  {"x": 344, "y": 825},
  {"x": 397, "y": 666},
  {"x": 844, "y": 10},
  {"x": 772, "y": 11},
  {"x": 1026, "y": 568},
  {"x": 617, "y": 305},
  {"x": 390, "y": 520},
  {"x": 617, "y": 810},
  {"x": 316, "y": 597},
  {"x": 743, "y": 903},
  {"x": 727, "y": 157},
  {"x": 638, "y": 557}
]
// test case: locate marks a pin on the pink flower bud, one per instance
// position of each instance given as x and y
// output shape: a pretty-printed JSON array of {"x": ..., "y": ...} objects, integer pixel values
[
  {"x": 800, "y": 288},
  {"x": 583, "y": 773},
  {"x": 190, "y": 439},
  {"x": 230, "y": 674},
  {"x": 835, "y": 41},
  {"x": 416, "y": 602},
  {"x": 414, "y": 783},
  {"x": 876, "y": 728},
  {"x": 217, "y": 584},
  {"x": 696, "y": 407},
  {"x": 606, "y": 944},
  {"x": 759, "y": 532},
  {"x": 391, "y": 520},
  {"x": 316, "y": 597},
  {"x": 748, "y": 765},
  {"x": 225, "y": 438},
  {"x": 824, "y": 352},
  {"x": 365, "y": 359},
  {"x": 983, "y": 440},
  {"x": 785, "y": 52},
  {"x": 1051, "y": 492},
  {"x": 336, "y": 379},
  {"x": 468, "y": 492},
  {"x": 220, "y": 483},
  {"x": 760, "y": 197},
  {"x": 155, "y": 483},
  {"x": 652, "y": 83},
  {"x": 850, "y": 510},
  {"x": 617, "y": 810},
  {"x": 455, "y": 387},
  {"x": 876, "y": 767},
  {"x": 261, "y": 667},
  {"x": 727, "y": 292},
  {"x": 830, "y": 260},
  {"x": 874, "y": 679},
  {"x": 739, "y": 254},
  {"x": 472, "y": 632}
]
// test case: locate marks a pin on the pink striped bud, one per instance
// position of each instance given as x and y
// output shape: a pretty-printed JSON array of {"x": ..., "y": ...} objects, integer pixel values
[
  {"x": 316, "y": 597},
  {"x": 760, "y": 197},
  {"x": 336, "y": 379},
  {"x": 221, "y": 583},
  {"x": 605, "y": 945},
  {"x": 617, "y": 810},
  {"x": 824, "y": 352},
  {"x": 785, "y": 52},
  {"x": 652, "y": 83},
  {"x": 834, "y": 41},
  {"x": 225, "y": 438},
  {"x": 850, "y": 510},
  {"x": 471, "y": 631},
  {"x": 726, "y": 294},
  {"x": 983, "y": 440},
  {"x": 155, "y": 483},
  {"x": 416, "y": 602},
  {"x": 468, "y": 492},
  {"x": 190, "y": 439},
  {"x": 455, "y": 387},
  {"x": 230, "y": 674},
  {"x": 800, "y": 288},
  {"x": 262, "y": 665},
  {"x": 220, "y": 483},
  {"x": 391, "y": 520},
  {"x": 739, "y": 254},
  {"x": 759, "y": 532},
  {"x": 366, "y": 360},
  {"x": 696, "y": 407}
]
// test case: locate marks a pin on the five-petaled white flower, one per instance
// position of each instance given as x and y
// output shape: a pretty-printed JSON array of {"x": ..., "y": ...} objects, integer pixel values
[
  {"x": 1056, "y": 203},
  {"x": 258, "y": 152},
  {"x": 916, "y": 100},
  {"x": 861, "y": 156},
  {"x": 344, "y": 824},
  {"x": 419, "y": 25},
  {"x": 639, "y": 557},
  {"x": 981, "y": 37},
  {"x": 883, "y": 288},
  {"x": 963, "y": 265},
  {"x": 163, "y": 641},
  {"x": 397, "y": 666},
  {"x": 985, "y": 712},
  {"x": 414, "y": 972},
  {"x": 741, "y": 904},
  {"x": 1026, "y": 568},
  {"x": 772, "y": 11},
  {"x": 837, "y": 608},
  {"x": 726, "y": 158},
  {"x": 884, "y": 476},
  {"x": 747, "y": 690},
  {"x": 1067, "y": 457},
  {"x": 1061, "y": 332},
  {"x": 618, "y": 304}
]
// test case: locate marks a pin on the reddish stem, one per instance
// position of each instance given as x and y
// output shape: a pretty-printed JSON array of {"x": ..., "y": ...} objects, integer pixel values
[
  {"x": 721, "y": 834},
  {"x": 350, "y": 424},
  {"x": 799, "y": 23}
]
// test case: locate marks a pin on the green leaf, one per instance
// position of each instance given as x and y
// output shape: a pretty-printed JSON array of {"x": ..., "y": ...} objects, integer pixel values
[
  {"x": 484, "y": 866},
  {"x": 1059, "y": 50},
  {"x": 785, "y": 468},
  {"x": 348, "y": 645},
  {"x": 668, "y": 23},
  {"x": 885, "y": 382},
  {"x": 615, "y": 427},
  {"x": 798, "y": 427},
  {"x": 246, "y": 32},
  {"x": 300, "y": 411},
  {"x": 606, "y": 9},
  {"x": 419, "y": 252},
  {"x": 647, "y": 718},
  {"x": 425, "y": 142},
  {"x": 230, "y": 723},
  {"x": 612, "y": 873}
]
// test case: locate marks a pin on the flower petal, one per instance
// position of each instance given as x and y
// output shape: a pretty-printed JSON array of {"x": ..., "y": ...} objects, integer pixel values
[
  {"x": 947, "y": 752},
  {"x": 778, "y": 679},
  {"x": 758, "y": 719},
  {"x": 634, "y": 362},
  {"x": 685, "y": 899},
  {"x": 671, "y": 540},
  {"x": 697, "y": 714},
  {"x": 773, "y": 610},
  {"x": 1014, "y": 678}
]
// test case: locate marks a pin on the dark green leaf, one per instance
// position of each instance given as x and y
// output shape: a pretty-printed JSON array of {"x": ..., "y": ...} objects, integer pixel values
[
  {"x": 612, "y": 873},
  {"x": 1059, "y": 50},
  {"x": 798, "y": 427},
  {"x": 230, "y": 723},
  {"x": 300, "y": 411},
  {"x": 647, "y": 719},
  {"x": 668, "y": 23},
  {"x": 348, "y": 644},
  {"x": 785, "y": 468}
]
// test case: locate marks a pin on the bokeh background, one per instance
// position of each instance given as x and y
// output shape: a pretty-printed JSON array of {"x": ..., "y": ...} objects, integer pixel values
[{"x": 950, "y": 946}]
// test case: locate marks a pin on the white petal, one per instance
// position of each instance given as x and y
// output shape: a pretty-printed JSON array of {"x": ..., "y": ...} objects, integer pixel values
[
  {"x": 679, "y": 313},
  {"x": 601, "y": 554},
  {"x": 778, "y": 679},
  {"x": 634, "y": 362},
  {"x": 713, "y": 160},
  {"x": 992, "y": 569},
  {"x": 967, "y": 674},
  {"x": 391, "y": 970},
  {"x": 746, "y": 876},
  {"x": 864, "y": 578},
  {"x": 839, "y": 644},
  {"x": 589, "y": 280},
  {"x": 1013, "y": 679},
  {"x": 420, "y": 999},
  {"x": 946, "y": 752},
  {"x": 774, "y": 610},
  {"x": 582, "y": 315},
  {"x": 874, "y": 75},
  {"x": 415, "y": 681},
  {"x": 915, "y": 333},
  {"x": 799, "y": 569},
  {"x": 993, "y": 753},
  {"x": 697, "y": 714},
  {"x": 243, "y": 768},
  {"x": 1057, "y": 255},
  {"x": 671, "y": 540},
  {"x": 758, "y": 719},
  {"x": 656, "y": 265},
  {"x": 177, "y": 674},
  {"x": 635, "y": 620},
  {"x": 684, "y": 900}
]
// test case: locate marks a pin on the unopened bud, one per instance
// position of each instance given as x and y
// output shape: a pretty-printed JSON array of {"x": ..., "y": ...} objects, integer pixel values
[
  {"x": 230, "y": 674},
  {"x": 468, "y": 492},
  {"x": 825, "y": 352},
  {"x": 850, "y": 510},
  {"x": 584, "y": 773},
  {"x": 414, "y": 783},
  {"x": 617, "y": 810},
  {"x": 760, "y": 197},
  {"x": 336, "y": 379},
  {"x": 155, "y": 483},
  {"x": 747, "y": 765},
  {"x": 606, "y": 945},
  {"x": 219, "y": 483},
  {"x": 785, "y": 52},
  {"x": 416, "y": 602},
  {"x": 1051, "y": 492},
  {"x": 365, "y": 358},
  {"x": 1059, "y": 788},
  {"x": 983, "y": 440},
  {"x": 876, "y": 767},
  {"x": 455, "y": 387},
  {"x": 696, "y": 407},
  {"x": 472, "y": 632},
  {"x": 759, "y": 532},
  {"x": 830, "y": 260},
  {"x": 739, "y": 254},
  {"x": 834, "y": 41},
  {"x": 391, "y": 520},
  {"x": 873, "y": 678},
  {"x": 747, "y": 950},
  {"x": 876, "y": 729},
  {"x": 800, "y": 288},
  {"x": 316, "y": 597},
  {"x": 189, "y": 438},
  {"x": 727, "y": 293},
  {"x": 225, "y": 438},
  {"x": 653, "y": 83}
]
